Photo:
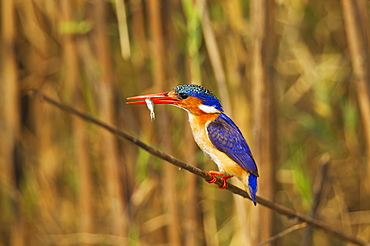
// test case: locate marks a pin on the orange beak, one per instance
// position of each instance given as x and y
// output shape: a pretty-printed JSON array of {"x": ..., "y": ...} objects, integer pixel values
[{"x": 157, "y": 98}]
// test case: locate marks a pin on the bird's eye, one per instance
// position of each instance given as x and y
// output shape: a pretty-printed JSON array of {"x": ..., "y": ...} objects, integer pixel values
[{"x": 183, "y": 95}]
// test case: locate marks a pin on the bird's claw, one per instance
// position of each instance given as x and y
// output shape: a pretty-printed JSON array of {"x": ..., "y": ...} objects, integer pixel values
[
  {"x": 224, "y": 178},
  {"x": 214, "y": 179}
]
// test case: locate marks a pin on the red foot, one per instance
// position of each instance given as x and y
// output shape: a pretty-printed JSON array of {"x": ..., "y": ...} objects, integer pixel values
[
  {"x": 224, "y": 178},
  {"x": 213, "y": 173}
]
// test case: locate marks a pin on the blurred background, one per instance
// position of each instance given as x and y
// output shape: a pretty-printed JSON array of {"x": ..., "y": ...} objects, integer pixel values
[{"x": 293, "y": 74}]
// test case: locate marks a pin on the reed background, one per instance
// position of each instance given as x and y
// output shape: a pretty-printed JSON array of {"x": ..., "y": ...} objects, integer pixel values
[{"x": 293, "y": 74}]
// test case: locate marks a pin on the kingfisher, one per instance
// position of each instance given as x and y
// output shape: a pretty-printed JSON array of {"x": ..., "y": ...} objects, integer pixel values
[{"x": 215, "y": 133}]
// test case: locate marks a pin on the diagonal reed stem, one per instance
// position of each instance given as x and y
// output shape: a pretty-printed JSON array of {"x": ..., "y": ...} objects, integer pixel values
[{"x": 173, "y": 160}]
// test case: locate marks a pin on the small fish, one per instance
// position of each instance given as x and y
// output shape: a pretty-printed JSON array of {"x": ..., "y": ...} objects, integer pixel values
[{"x": 150, "y": 105}]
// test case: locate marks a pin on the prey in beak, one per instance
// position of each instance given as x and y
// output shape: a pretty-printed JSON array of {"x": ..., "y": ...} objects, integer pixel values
[{"x": 151, "y": 99}]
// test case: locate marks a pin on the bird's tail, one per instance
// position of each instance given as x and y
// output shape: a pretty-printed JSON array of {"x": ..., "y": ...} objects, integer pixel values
[{"x": 252, "y": 186}]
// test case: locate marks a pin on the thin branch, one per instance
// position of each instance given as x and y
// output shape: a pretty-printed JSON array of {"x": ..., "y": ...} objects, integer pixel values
[
  {"x": 283, "y": 233},
  {"x": 318, "y": 190},
  {"x": 154, "y": 151}
]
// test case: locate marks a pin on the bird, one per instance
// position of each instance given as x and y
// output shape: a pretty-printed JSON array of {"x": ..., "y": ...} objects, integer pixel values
[{"x": 214, "y": 132}]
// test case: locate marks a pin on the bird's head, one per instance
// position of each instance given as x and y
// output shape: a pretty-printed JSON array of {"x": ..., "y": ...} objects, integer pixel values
[{"x": 193, "y": 98}]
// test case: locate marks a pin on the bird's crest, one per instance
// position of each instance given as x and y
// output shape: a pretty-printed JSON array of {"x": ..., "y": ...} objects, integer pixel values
[{"x": 207, "y": 97}]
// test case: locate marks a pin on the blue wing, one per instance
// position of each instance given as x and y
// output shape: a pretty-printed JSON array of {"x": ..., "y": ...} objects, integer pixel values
[{"x": 226, "y": 137}]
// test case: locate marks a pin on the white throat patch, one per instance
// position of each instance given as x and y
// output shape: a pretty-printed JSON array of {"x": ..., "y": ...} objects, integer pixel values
[{"x": 208, "y": 109}]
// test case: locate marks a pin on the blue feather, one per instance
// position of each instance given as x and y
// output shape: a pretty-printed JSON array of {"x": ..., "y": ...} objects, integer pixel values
[
  {"x": 226, "y": 137},
  {"x": 252, "y": 184}
]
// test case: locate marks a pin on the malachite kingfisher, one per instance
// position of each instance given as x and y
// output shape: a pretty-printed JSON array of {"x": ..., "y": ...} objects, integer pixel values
[{"x": 214, "y": 132}]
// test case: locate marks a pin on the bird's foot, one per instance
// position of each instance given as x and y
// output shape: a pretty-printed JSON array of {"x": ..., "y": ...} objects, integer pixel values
[
  {"x": 224, "y": 178},
  {"x": 213, "y": 173}
]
